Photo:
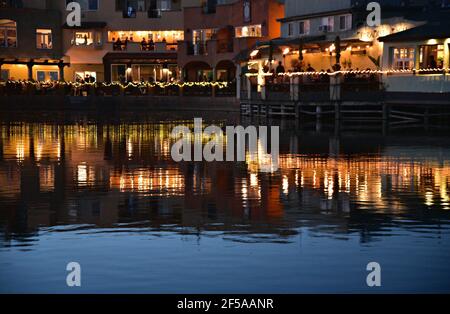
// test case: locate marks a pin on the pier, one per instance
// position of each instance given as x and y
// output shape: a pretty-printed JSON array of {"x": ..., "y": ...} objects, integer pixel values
[{"x": 342, "y": 97}]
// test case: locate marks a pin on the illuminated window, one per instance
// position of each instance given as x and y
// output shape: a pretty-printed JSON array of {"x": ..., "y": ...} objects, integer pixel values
[
  {"x": 44, "y": 38},
  {"x": 202, "y": 35},
  {"x": 87, "y": 38},
  {"x": 249, "y": 31},
  {"x": 170, "y": 37},
  {"x": 8, "y": 34},
  {"x": 85, "y": 76},
  {"x": 403, "y": 58}
]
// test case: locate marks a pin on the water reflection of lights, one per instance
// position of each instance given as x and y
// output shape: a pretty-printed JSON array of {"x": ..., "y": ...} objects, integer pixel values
[
  {"x": 261, "y": 160},
  {"x": 369, "y": 179},
  {"x": 82, "y": 174},
  {"x": 158, "y": 182},
  {"x": 129, "y": 148},
  {"x": 20, "y": 151},
  {"x": 285, "y": 183},
  {"x": 372, "y": 181}
]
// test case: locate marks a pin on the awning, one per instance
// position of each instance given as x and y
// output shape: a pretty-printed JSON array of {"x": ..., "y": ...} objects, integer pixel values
[
  {"x": 264, "y": 46},
  {"x": 245, "y": 54},
  {"x": 432, "y": 30}
]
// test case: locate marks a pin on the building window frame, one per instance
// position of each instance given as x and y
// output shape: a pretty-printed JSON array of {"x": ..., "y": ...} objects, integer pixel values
[
  {"x": 44, "y": 38},
  {"x": 304, "y": 27},
  {"x": 403, "y": 58},
  {"x": 47, "y": 75},
  {"x": 9, "y": 32},
  {"x": 81, "y": 75},
  {"x": 290, "y": 29},
  {"x": 327, "y": 24},
  {"x": 4, "y": 75},
  {"x": 91, "y": 38},
  {"x": 113, "y": 65},
  {"x": 345, "y": 22},
  {"x": 248, "y": 31}
]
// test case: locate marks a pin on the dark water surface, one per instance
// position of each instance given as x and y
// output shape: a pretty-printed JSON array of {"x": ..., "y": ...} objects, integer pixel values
[{"x": 108, "y": 195}]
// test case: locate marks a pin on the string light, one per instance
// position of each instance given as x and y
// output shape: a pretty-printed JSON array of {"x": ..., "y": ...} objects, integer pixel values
[
  {"x": 163, "y": 85},
  {"x": 391, "y": 71}
]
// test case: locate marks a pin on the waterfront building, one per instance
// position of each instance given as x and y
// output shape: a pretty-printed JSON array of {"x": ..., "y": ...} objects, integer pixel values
[
  {"x": 31, "y": 41},
  {"x": 424, "y": 52},
  {"x": 217, "y": 32},
  {"x": 329, "y": 35},
  {"x": 314, "y": 27},
  {"x": 126, "y": 40},
  {"x": 117, "y": 41}
]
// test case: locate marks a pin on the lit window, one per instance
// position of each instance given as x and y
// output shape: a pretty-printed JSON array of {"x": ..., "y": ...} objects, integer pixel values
[
  {"x": 85, "y": 76},
  {"x": 87, "y": 39},
  {"x": 403, "y": 58},
  {"x": 8, "y": 33},
  {"x": 170, "y": 37},
  {"x": 249, "y": 31},
  {"x": 202, "y": 35},
  {"x": 44, "y": 38}
]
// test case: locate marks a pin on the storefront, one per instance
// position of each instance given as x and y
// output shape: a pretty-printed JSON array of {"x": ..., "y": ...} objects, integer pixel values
[
  {"x": 424, "y": 48},
  {"x": 141, "y": 67}
]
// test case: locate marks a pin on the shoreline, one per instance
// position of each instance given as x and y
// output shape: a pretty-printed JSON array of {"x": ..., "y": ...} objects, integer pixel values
[{"x": 119, "y": 103}]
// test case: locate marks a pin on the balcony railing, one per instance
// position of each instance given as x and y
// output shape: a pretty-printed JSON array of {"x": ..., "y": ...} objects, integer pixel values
[{"x": 147, "y": 46}]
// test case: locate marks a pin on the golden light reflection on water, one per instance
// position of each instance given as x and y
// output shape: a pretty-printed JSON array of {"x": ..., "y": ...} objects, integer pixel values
[{"x": 136, "y": 158}]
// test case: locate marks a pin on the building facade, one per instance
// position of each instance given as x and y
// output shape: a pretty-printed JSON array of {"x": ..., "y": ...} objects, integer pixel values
[
  {"x": 31, "y": 43},
  {"x": 216, "y": 32},
  {"x": 317, "y": 24},
  {"x": 123, "y": 40},
  {"x": 126, "y": 40}
]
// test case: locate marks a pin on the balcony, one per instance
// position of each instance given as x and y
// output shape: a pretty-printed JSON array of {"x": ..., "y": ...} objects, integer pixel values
[{"x": 160, "y": 47}]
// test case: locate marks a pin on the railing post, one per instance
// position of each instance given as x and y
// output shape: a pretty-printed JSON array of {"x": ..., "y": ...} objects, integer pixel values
[
  {"x": 238, "y": 81},
  {"x": 335, "y": 87},
  {"x": 181, "y": 90},
  {"x": 249, "y": 88},
  {"x": 294, "y": 82}
]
